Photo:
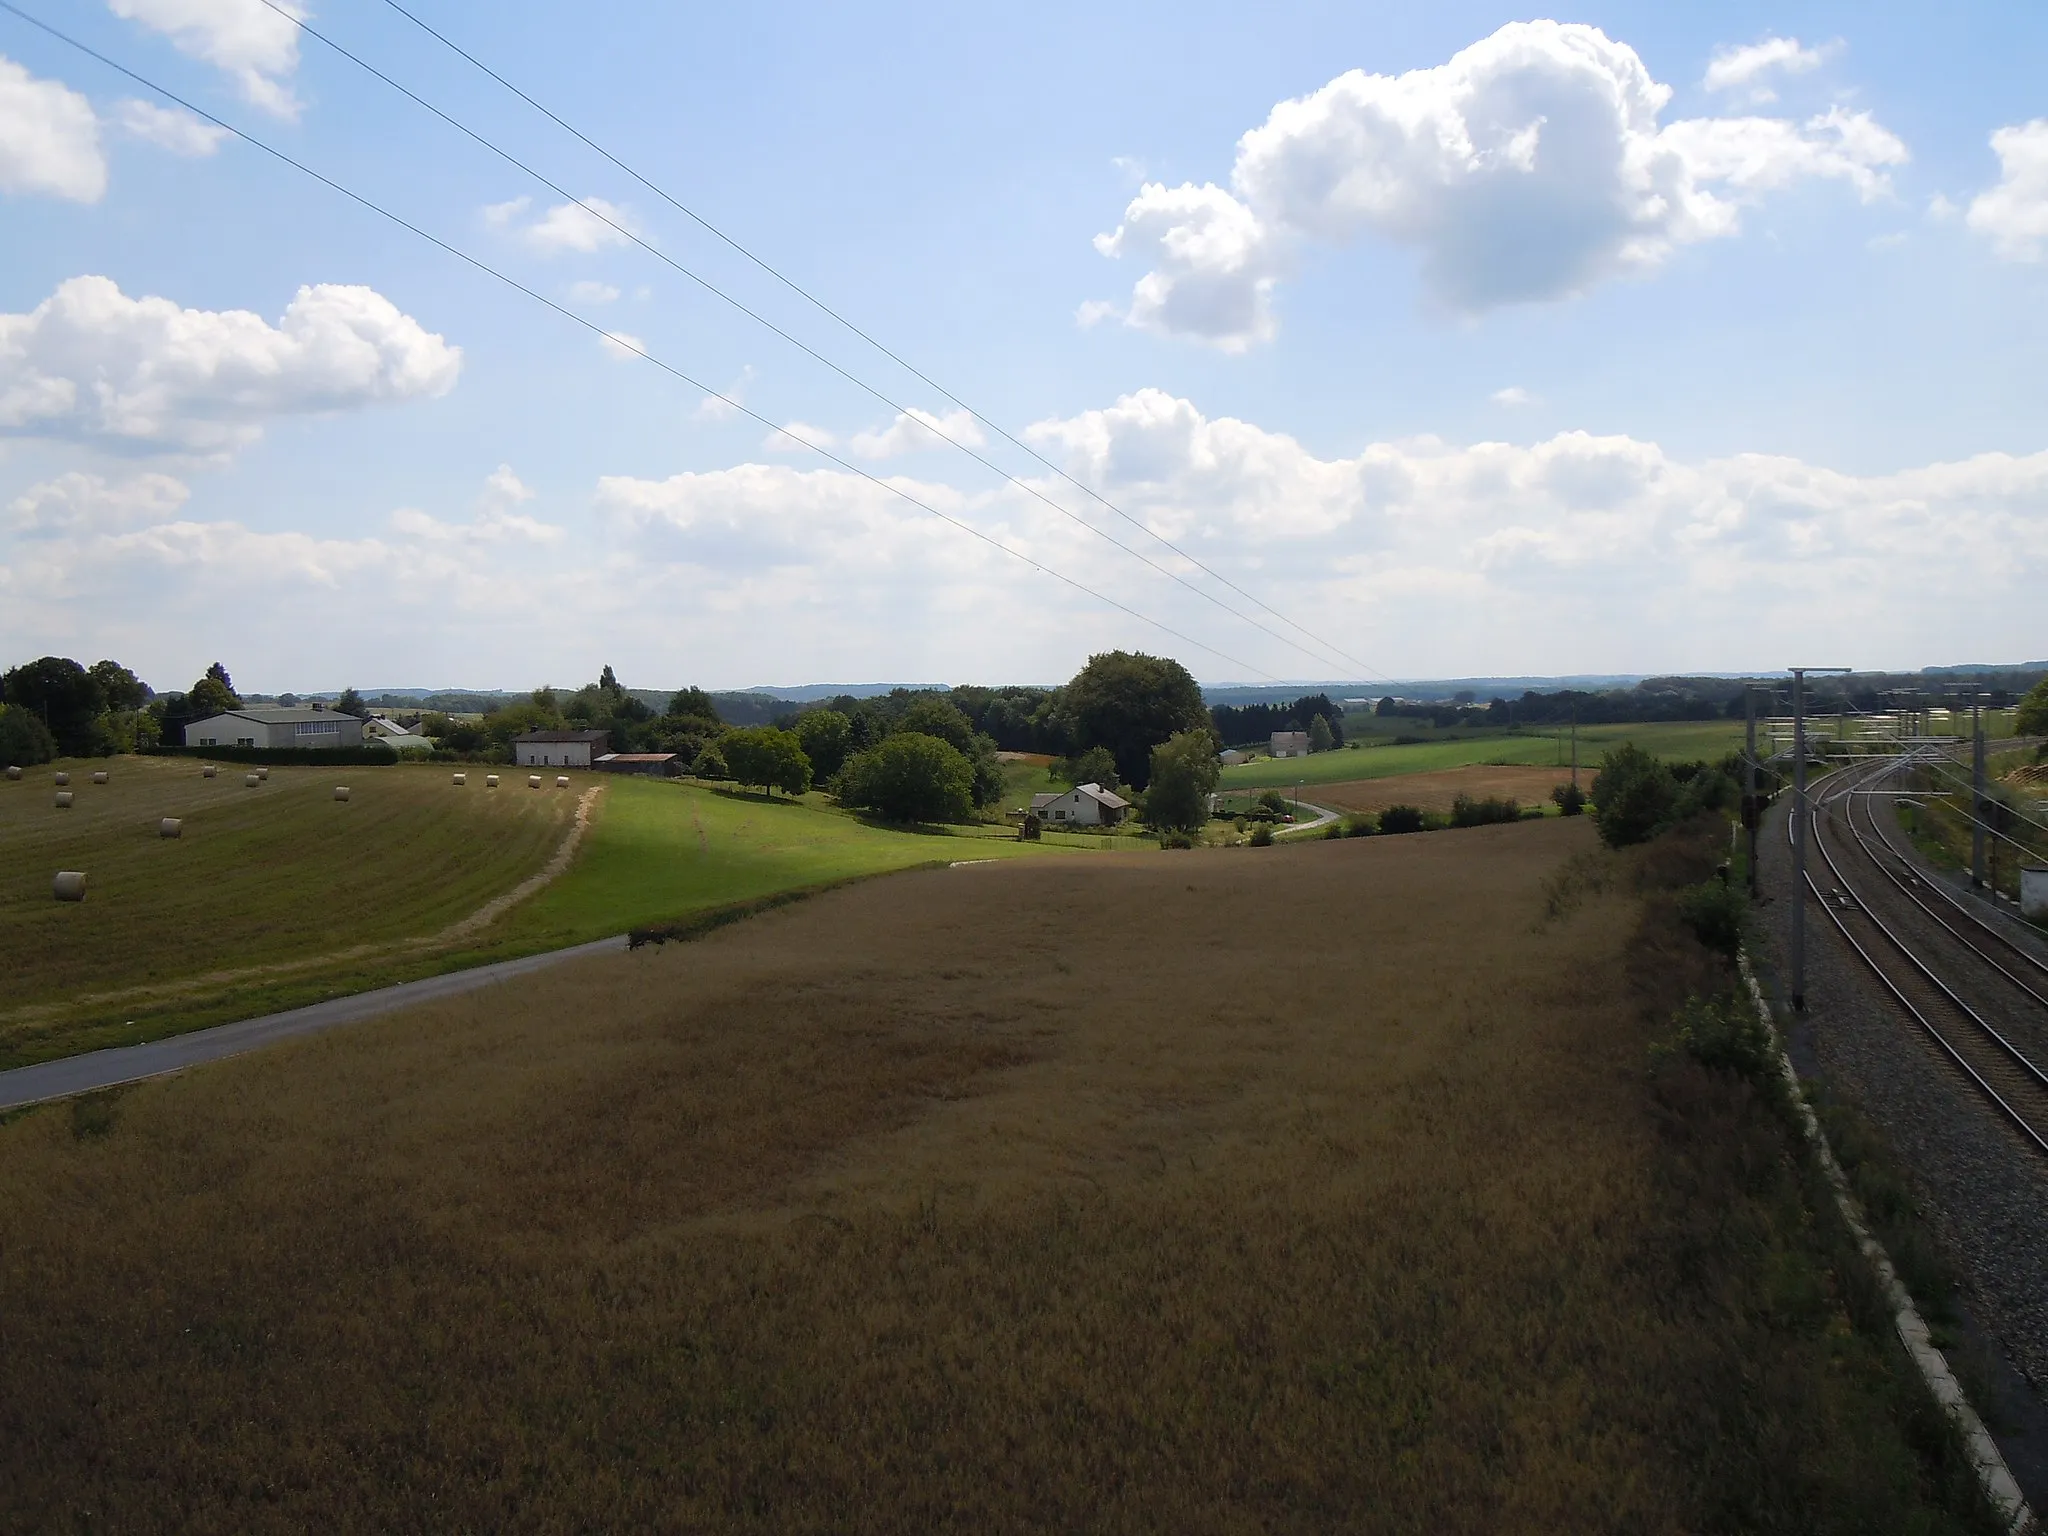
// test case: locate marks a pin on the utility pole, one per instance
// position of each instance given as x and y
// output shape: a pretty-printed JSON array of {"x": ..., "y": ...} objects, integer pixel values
[
  {"x": 1752, "y": 813},
  {"x": 1978, "y": 808},
  {"x": 1802, "y": 823}
]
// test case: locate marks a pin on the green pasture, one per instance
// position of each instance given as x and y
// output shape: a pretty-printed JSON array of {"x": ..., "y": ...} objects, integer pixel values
[
  {"x": 660, "y": 851},
  {"x": 259, "y": 877},
  {"x": 1674, "y": 739}
]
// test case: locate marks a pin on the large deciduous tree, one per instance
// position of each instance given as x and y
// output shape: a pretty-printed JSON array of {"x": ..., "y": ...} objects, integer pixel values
[
  {"x": 64, "y": 696},
  {"x": 910, "y": 777},
  {"x": 1130, "y": 702},
  {"x": 827, "y": 737},
  {"x": 1184, "y": 775},
  {"x": 351, "y": 703},
  {"x": 2031, "y": 719},
  {"x": 1634, "y": 795},
  {"x": 120, "y": 688},
  {"x": 764, "y": 755},
  {"x": 23, "y": 740}
]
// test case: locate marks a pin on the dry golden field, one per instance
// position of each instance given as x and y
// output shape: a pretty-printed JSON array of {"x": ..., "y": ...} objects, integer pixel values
[{"x": 1292, "y": 1189}]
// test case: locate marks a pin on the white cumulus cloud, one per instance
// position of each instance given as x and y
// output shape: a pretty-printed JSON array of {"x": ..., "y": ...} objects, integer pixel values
[
  {"x": 914, "y": 430},
  {"x": 585, "y": 226},
  {"x": 253, "y": 43},
  {"x": 1746, "y": 70},
  {"x": 494, "y": 522},
  {"x": 587, "y": 292},
  {"x": 1528, "y": 167},
  {"x": 78, "y": 502},
  {"x": 49, "y": 138},
  {"x": 793, "y": 436},
  {"x": 169, "y": 128},
  {"x": 623, "y": 345},
  {"x": 1513, "y": 395},
  {"x": 2013, "y": 215},
  {"x": 91, "y": 364}
]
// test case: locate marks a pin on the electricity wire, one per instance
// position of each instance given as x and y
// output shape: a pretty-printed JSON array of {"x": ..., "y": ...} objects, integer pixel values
[
  {"x": 539, "y": 298},
  {"x": 626, "y": 232},
  {"x": 826, "y": 309}
]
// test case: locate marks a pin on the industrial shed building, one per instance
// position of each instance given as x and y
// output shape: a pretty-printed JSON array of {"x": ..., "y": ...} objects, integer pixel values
[
  {"x": 560, "y": 749},
  {"x": 297, "y": 728}
]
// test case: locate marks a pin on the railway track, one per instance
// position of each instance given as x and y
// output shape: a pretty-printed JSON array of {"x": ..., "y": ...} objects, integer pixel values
[{"x": 2000, "y": 1068}]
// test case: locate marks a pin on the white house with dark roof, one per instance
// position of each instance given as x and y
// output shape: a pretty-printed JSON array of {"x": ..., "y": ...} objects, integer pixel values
[
  {"x": 1290, "y": 743},
  {"x": 276, "y": 728},
  {"x": 1085, "y": 805}
]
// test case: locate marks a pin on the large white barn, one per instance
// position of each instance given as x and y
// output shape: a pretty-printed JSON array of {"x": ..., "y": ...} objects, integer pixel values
[
  {"x": 276, "y": 728},
  {"x": 560, "y": 749}
]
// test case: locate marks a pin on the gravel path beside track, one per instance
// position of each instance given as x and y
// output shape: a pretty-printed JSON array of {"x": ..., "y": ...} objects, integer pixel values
[{"x": 1984, "y": 1192}]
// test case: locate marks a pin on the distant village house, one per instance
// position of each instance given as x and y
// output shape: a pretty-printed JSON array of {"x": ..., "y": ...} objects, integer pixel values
[
  {"x": 560, "y": 749},
  {"x": 315, "y": 727},
  {"x": 1290, "y": 743},
  {"x": 1085, "y": 805}
]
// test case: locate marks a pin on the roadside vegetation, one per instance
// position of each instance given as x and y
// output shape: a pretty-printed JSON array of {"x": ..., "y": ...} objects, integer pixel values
[{"x": 1021, "y": 1198}]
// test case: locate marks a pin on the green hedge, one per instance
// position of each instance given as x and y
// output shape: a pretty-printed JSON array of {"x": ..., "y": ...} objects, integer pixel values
[{"x": 311, "y": 756}]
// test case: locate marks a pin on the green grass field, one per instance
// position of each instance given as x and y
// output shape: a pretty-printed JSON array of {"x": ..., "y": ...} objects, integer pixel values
[
  {"x": 662, "y": 851},
  {"x": 279, "y": 896},
  {"x": 1677, "y": 739}
]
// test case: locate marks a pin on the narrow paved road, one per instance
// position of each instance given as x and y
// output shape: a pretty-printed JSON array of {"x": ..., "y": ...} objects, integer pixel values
[
  {"x": 1324, "y": 816},
  {"x": 132, "y": 1063}
]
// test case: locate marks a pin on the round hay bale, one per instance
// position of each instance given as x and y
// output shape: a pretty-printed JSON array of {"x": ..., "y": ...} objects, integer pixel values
[
  {"x": 63, "y": 779},
  {"x": 70, "y": 885},
  {"x": 264, "y": 774},
  {"x": 461, "y": 779},
  {"x": 561, "y": 781},
  {"x": 341, "y": 791},
  {"x": 13, "y": 772},
  {"x": 63, "y": 799},
  {"x": 208, "y": 771},
  {"x": 533, "y": 781},
  {"x": 170, "y": 826},
  {"x": 490, "y": 781},
  {"x": 250, "y": 780},
  {"x": 100, "y": 777}
]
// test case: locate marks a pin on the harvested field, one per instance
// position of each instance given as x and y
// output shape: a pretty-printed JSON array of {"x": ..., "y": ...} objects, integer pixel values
[
  {"x": 1297, "y": 1189},
  {"x": 1436, "y": 791}
]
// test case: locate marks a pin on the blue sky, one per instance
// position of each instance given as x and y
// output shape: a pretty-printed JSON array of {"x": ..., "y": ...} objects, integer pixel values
[{"x": 1472, "y": 342}]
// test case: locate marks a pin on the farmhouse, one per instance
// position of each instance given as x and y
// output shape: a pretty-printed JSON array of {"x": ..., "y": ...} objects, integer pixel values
[
  {"x": 1230, "y": 757},
  {"x": 382, "y": 728},
  {"x": 1085, "y": 805},
  {"x": 1290, "y": 743},
  {"x": 560, "y": 749},
  {"x": 657, "y": 765},
  {"x": 315, "y": 727}
]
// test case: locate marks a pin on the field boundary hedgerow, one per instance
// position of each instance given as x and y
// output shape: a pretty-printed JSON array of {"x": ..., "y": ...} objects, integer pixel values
[{"x": 1999, "y": 1487}]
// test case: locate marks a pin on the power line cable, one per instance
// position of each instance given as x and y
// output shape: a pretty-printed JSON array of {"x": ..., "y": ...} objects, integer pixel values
[
  {"x": 812, "y": 299},
  {"x": 626, "y": 232},
  {"x": 599, "y": 331}
]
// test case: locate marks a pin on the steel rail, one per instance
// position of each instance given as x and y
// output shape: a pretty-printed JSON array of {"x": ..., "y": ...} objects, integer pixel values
[
  {"x": 2019, "y": 1121},
  {"x": 1878, "y": 833}
]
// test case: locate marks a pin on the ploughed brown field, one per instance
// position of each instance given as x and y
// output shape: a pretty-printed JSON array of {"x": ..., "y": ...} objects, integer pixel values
[
  {"x": 1306, "y": 1189},
  {"x": 1435, "y": 791}
]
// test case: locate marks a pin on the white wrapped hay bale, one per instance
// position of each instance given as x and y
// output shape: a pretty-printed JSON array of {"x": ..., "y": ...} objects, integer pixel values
[
  {"x": 490, "y": 781},
  {"x": 70, "y": 885},
  {"x": 63, "y": 779},
  {"x": 13, "y": 772},
  {"x": 63, "y": 799},
  {"x": 250, "y": 780},
  {"x": 533, "y": 781},
  {"x": 100, "y": 777},
  {"x": 341, "y": 791},
  {"x": 170, "y": 826},
  {"x": 561, "y": 781},
  {"x": 461, "y": 779},
  {"x": 208, "y": 771},
  {"x": 263, "y": 773}
]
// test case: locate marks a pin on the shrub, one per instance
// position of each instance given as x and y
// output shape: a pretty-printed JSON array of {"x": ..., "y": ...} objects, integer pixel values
[
  {"x": 1335, "y": 830},
  {"x": 1402, "y": 818},
  {"x": 1714, "y": 911},
  {"x": 1176, "y": 840},
  {"x": 1571, "y": 800},
  {"x": 1634, "y": 796},
  {"x": 1725, "y": 1033},
  {"x": 1262, "y": 835},
  {"x": 1469, "y": 812},
  {"x": 1361, "y": 824},
  {"x": 1272, "y": 800},
  {"x": 710, "y": 763}
]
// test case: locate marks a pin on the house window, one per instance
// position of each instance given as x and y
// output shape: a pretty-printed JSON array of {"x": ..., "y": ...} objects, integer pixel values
[{"x": 245, "y": 741}]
